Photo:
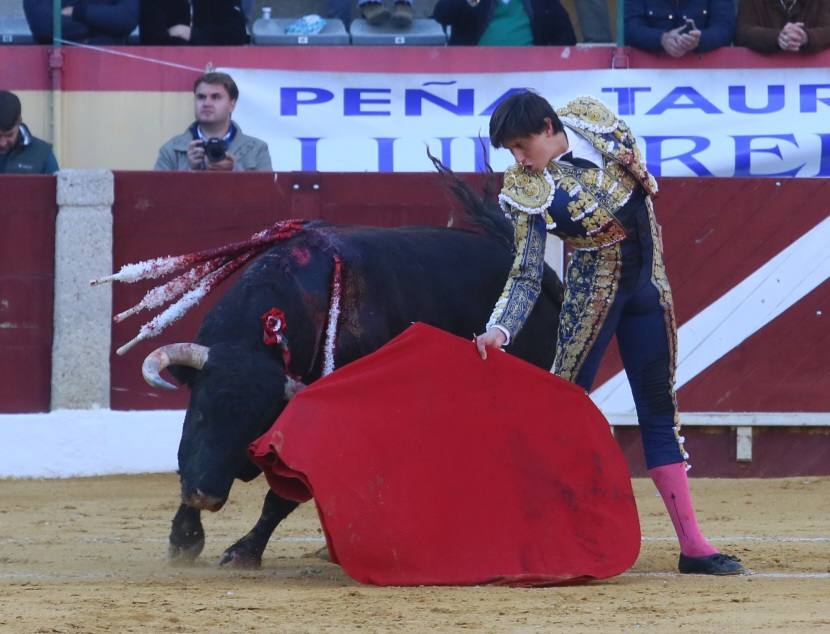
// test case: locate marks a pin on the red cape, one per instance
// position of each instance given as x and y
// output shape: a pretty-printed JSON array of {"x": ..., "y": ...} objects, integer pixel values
[{"x": 431, "y": 466}]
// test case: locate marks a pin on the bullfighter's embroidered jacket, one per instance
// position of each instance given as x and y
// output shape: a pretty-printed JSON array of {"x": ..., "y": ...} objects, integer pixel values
[{"x": 575, "y": 203}]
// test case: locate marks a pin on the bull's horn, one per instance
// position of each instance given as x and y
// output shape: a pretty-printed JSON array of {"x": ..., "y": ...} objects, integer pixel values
[{"x": 192, "y": 355}]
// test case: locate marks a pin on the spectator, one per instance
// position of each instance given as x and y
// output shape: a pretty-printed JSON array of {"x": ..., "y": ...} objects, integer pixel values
[
  {"x": 218, "y": 22},
  {"x": 594, "y": 20},
  {"x": 506, "y": 22},
  {"x": 679, "y": 27},
  {"x": 164, "y": 22},
  {"x": 374, "y": 11},
  {"x": 214, "y": 141},
  {"x": 87, "y": 21},
  {"x": 786, "y": 25},
  {"x": 20, "y": 152}
]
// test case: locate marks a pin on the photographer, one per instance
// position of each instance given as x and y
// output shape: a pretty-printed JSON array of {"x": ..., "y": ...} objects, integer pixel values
[{"x": 214, "y": 142}]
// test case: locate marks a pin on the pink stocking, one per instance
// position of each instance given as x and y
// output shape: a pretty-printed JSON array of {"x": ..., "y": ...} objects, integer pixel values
[{"x": 673, "y": 485}]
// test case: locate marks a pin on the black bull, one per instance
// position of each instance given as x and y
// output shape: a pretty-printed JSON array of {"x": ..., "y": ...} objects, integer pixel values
[{"x": 449, "y": 278}]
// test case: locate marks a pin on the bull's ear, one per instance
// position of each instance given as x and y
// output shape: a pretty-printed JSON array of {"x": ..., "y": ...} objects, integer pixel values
[{"x": 183, "y": 374}]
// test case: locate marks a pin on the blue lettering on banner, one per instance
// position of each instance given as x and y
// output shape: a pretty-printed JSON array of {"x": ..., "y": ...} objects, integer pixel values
[
  {"x": 744, "y": 151},
  {"x": 824, "y": 162},
  {"x": 696, "y": 101},
  {"x": 809, "y": 98},
  {"x": 482, "y": 153},
  {"x": 308, "y": 154},
  {"x": 386, "y": 160},
  {"x": 353, "y": 101},
  {"x": 464, "y": 106},
  {"x": 446, "y": 150},
  {"x": 655, "y": 158},
  {"x": 775, "y": 100},
  {"x": 625, "y": 98},
  {"x": 290, "y": 99}
]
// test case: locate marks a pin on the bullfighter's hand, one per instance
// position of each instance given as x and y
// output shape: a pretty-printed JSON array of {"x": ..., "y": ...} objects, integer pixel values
[
  {"x": 225, "y": 165},
  {"x": 493, "y": 338},
  {"x": 196, "y": 154}
]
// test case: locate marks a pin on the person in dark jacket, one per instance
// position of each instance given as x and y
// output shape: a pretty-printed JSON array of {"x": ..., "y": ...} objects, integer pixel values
[
  {"x": 218, "y": 22},
  {"x": 87, "y": 21},
  {"x": 506, "y": 22},
  {"x": 797, "y": 26},
  {"x": 20, "y": 152},
  {"x": 164, "y": 22},
  {"x": 679, "y": 27}
]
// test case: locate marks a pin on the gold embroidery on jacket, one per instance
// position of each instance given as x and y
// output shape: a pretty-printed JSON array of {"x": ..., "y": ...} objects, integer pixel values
[
  {"x": 525, "y": 279},
  {"x": 592, "y": 283}
]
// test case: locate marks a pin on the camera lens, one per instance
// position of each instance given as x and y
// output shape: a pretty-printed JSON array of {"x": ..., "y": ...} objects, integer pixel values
[{"x": 215, "y": 149}]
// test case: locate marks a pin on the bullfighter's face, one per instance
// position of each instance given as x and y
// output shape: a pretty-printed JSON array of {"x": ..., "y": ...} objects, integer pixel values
[{"x": 534, "y": 151}]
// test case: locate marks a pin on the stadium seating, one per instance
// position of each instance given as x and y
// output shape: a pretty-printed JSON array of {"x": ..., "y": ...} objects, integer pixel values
[{"x": 13, "y": 26}]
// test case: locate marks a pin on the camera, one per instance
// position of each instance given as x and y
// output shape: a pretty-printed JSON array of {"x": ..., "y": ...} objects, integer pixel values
[
  {"x": 689, "y": 26},
  {"x": 215, "y": 149}
]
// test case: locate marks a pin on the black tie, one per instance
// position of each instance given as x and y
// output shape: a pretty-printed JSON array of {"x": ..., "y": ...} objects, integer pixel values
[{"x": 569, "y": 157}]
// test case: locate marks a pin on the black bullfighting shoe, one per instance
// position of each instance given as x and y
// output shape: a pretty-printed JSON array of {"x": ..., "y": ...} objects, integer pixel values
[
  {"x": 375, "y": 13},
  {"x": 717, "y": 564}
]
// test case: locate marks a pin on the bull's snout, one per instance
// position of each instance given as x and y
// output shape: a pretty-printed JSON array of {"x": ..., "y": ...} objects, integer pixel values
[{"x": 198, "y": 499}]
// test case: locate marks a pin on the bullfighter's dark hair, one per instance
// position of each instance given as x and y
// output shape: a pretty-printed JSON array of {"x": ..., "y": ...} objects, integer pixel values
[
  {"x": 9, "y": 110},
  {"x": 221, "y": 79},
  {"x": 521, "y": 115}
]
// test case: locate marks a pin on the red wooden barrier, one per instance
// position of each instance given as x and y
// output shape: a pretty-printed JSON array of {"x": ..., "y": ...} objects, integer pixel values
[
  {"x": 716, "y": 232},
  {"x": 27, "y": 270}
]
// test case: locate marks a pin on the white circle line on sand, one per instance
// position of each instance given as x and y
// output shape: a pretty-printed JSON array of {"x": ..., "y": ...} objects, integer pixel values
[
  {"x": 748, "y": 538},
  {"x": 79, "y": 576},
  {"x": 770, "y": 539},
  {"x": 766, "y": 575}
]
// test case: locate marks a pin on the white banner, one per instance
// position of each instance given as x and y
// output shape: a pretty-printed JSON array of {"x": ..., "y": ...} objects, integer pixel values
[{"x": 690, "y": 122}]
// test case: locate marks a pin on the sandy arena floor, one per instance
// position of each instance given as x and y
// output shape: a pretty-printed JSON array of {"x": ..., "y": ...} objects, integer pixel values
[{"x": 88, "y": 555}]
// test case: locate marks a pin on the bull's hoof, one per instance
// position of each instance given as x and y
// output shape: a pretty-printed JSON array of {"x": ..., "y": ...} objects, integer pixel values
[
  {"x": 240, "y": 556},
  {"x": 181, "y": 555}
]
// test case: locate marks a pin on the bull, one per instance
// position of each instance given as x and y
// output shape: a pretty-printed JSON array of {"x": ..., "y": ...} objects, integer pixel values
[{"x": 446, "y": 277}]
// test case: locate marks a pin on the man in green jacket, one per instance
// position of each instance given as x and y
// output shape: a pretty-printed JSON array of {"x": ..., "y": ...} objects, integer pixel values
[{"x": 20, "y": 151}]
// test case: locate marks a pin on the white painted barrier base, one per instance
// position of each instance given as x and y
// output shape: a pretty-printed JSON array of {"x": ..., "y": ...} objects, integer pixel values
[{"x": 68, "y": 443}]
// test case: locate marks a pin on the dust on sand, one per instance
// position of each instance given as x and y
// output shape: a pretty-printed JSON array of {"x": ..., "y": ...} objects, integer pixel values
[{"x": 88, "y": 555}]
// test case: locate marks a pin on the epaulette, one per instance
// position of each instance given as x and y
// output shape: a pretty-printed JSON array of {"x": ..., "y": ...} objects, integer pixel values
[{"x": 530, "y": 192}]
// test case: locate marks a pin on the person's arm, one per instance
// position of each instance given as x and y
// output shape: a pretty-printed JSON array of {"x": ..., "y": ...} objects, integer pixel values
[
  {"x": 449, "y": 12},
  {"x": 560, "y": 31},
  {"x": 166, "y": 161},
  {"x": 39, "y": 16},
  {"x": 818, "y": 37},
  {"x": 51, "y": 165},
  {"x": 720, "y": 28},
  {"x": 638, "y": 33},
  {"x": 157, "y": 17},
  {"x": 118, "y": 20},
  {"x": 751, "y": 32},
  {"x": 262, "y": 158},
  {"x": 524, "y": 282}
]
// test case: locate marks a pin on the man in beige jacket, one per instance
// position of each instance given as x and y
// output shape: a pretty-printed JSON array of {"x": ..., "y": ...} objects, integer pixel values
[{"x": 214, "y": 141}]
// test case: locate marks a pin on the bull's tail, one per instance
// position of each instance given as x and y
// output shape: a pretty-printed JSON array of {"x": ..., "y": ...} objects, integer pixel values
[{"x": 481, "y": 211}]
